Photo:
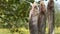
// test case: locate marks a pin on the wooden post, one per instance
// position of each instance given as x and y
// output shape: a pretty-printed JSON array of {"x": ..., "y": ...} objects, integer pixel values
[
  {"x": 33, "y": 19},
  {"x": 42, "y": 18},
  {"x": 50, "y": 11}
]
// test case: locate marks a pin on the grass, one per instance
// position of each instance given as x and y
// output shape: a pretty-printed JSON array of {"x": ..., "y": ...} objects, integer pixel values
[
  {"x": 57, "y": 30},
  {"x": 25, "y": 31}
]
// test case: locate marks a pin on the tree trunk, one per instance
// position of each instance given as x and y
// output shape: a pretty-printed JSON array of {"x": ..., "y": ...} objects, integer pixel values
[
  {"x": 50, "y": 11},
  {"x": 33, "y": 22},
  {"x": 42, "y": 19}
]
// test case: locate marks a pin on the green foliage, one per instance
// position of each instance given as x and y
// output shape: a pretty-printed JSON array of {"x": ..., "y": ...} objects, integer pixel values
[
  {"x": 12, "y": 12},
  {"x": 57, "y": 19}
]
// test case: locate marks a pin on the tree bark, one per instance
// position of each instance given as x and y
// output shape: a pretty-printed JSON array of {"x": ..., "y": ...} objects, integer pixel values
[
  {"x": 33, "y": 22},
  {"x": 42, "y": 19},
  {"x": 50, "y": 11}
]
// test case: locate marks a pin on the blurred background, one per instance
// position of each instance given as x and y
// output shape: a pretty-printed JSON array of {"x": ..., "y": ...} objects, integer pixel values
[{"x": 14, "y": 16}]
